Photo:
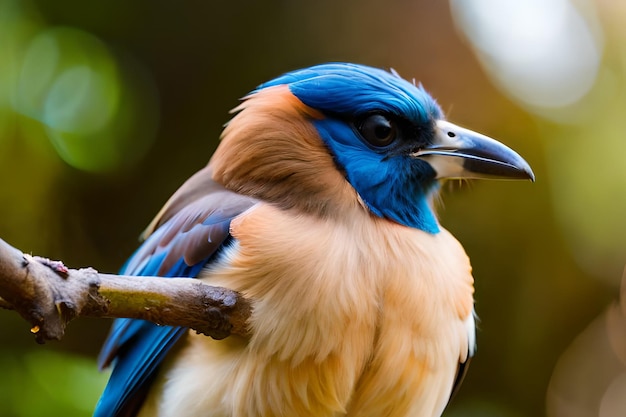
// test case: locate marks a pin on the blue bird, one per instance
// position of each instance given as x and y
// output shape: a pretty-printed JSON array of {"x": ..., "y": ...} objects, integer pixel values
[{"x": 318, "y": 206}]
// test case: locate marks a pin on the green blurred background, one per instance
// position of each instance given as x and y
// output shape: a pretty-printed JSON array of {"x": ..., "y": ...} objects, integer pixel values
[{"x": 107, "y": 107}]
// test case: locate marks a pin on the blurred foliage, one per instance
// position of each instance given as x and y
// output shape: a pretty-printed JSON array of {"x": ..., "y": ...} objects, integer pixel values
[
  {"x": 46, "y": 383},
  {"x": 107, "y": 107}
]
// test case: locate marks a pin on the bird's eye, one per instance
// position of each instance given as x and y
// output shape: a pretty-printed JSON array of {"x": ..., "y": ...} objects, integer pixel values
[{"x": 378, "y": 130}]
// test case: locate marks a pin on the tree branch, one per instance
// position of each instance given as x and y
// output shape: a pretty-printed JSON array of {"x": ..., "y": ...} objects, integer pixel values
[{"x": 48, "y": 295}]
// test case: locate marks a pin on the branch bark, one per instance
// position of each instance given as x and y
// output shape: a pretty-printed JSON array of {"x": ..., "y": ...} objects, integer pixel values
[{"x": 48, "y": 295}]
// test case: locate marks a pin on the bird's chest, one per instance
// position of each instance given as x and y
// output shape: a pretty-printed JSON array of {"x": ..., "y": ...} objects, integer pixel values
[{"x": 360, "y": 318}]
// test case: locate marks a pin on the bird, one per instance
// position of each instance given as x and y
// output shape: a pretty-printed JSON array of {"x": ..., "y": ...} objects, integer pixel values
[{"x": 319, "y": 205}]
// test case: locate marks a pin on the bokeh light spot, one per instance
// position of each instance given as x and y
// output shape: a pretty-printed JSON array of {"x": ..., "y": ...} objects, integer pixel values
[
  {"x": 80, "y": 100},
  {"x": 36, "y": 73},
  {"x": 99, "y": 110},
  {"x": 543, "y": 53}
]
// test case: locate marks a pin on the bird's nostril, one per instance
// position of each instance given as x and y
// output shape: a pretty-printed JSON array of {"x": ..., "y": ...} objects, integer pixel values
[{"x": 451, "y": 134}]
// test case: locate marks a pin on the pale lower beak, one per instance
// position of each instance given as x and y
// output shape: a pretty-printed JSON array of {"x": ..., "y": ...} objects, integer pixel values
[{"x": 461, "y": 153}]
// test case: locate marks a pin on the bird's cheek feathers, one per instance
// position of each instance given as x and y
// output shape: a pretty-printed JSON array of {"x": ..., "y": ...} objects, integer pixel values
[{"x": 271, "y": 150}]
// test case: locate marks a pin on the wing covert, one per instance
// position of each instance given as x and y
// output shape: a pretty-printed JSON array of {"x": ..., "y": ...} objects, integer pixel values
[{"x": 189, "y": 232}]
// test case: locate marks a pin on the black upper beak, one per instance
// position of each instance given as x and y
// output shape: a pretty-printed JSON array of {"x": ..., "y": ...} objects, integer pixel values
[{"x": 461, "y": 153}]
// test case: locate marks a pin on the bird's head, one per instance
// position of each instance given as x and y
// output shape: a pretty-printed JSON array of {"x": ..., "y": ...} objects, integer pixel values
[{"x": 337, "y": 135}]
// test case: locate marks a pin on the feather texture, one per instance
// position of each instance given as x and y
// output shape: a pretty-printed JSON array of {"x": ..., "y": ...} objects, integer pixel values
[
  {"x": 336, "y": 329},
  {"x": 362, "y": 302},
  {"x": 188, "y": 233},
  {"x": 272, "y": 151}
]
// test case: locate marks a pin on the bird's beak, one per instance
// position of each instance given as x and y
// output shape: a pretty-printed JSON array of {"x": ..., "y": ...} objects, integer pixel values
[{"x": 461, "y": 153}]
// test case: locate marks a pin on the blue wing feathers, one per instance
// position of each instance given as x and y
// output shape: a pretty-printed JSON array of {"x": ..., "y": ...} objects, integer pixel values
[
  {"x": 138, "y": 347},
  {"x": 137, "y": 359},
  {"x": 180, "y": 247}
]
